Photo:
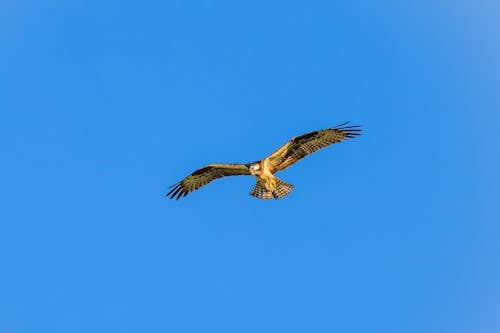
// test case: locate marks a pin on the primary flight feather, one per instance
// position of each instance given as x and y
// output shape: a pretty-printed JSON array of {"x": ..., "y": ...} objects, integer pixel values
[{"x": 268, "y": 186}]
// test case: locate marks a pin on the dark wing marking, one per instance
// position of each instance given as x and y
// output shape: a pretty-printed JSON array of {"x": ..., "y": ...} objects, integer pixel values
[
  {"x": 303, "y": 145},
  {"x": 204, "y": 176}
]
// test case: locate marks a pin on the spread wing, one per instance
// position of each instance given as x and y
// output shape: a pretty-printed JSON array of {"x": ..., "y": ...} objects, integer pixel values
[
  {"x": 204, "y": 176},
  {"x": 303, "y": 145}
]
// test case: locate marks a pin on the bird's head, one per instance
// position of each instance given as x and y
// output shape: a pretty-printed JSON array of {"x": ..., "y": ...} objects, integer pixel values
[{"x": 255, "y": 168}]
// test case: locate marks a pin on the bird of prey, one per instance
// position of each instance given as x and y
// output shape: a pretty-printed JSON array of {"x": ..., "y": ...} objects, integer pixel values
[{"x": 268, "y": 186}]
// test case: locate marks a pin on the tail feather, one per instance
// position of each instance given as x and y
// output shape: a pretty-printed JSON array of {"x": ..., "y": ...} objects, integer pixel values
[
  {"x": 259, "y": 191},
  {"x": 281, "y": 190}
]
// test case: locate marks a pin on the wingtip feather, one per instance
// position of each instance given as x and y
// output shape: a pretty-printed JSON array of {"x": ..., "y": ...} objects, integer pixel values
[
  {"x": 351, "y": 131},
  {"x": 175, "y": 189}
]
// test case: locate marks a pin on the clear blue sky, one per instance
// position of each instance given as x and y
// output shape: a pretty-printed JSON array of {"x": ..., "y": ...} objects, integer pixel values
[{"x": 104, "y": 104}]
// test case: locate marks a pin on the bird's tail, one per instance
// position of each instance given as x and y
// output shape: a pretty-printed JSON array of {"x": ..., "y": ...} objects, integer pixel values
[{"x": 282, "y": 189}]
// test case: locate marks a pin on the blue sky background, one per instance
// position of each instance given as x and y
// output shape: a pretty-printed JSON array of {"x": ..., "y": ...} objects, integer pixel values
[{"x": 104, "y": 104}]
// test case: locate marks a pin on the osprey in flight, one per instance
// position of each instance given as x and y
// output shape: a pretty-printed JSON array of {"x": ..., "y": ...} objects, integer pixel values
[{"x": 268, "y": 186}]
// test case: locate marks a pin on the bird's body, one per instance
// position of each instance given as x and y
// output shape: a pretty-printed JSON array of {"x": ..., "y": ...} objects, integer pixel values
[
  {"x": 268, "y": 186},
  {"x": 262, "y": 171}
]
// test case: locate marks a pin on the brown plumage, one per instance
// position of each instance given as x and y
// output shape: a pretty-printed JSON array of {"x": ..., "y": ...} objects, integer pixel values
[
  {"x": 268, "y": 186},
  {"x": 204, "y": 176}
]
